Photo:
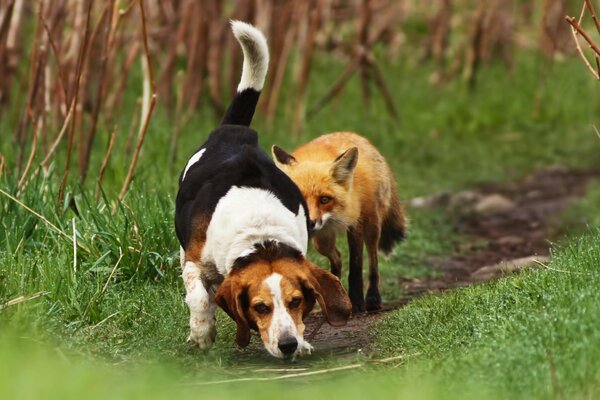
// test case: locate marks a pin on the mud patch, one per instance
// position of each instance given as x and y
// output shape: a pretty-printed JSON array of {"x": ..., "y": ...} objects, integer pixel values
[{"x": 502, "y": 222}]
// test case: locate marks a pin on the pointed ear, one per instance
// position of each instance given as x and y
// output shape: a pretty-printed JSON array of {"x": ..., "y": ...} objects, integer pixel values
[
  {"x": 330, "y": 294},
  {"x": 231, "y": 297},
  {"x": 343, "y": 166},
  {"x": 282, "y": 157}
]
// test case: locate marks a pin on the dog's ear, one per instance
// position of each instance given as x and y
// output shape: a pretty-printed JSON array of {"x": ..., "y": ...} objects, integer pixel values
[
  {"x": 343, "y": 166},
  {"x": 232, "y": 298},
  {"x": 328, "y": 291},
  {"x": 282, "y": 157}
]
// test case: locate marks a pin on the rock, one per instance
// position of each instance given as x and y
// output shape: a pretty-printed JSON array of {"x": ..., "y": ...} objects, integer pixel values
[
  {"x": 464, "y": 200},
  {"x": 493, "y": 203},
  {"x": 506, "y": 267},
  {"x": 509, "y": 241},
  {"x": 432, "y": 201}
]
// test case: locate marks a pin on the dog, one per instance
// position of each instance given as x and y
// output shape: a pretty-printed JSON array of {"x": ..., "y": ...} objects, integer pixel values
[
  {"x": 348, "y": 186},
  {"x": 243, "y": 229}
]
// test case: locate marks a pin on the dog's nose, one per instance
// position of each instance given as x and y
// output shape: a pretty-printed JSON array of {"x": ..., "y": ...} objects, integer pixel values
[
  {"x": 288, "y": 345},
  {"x": 311, "y": 224}
]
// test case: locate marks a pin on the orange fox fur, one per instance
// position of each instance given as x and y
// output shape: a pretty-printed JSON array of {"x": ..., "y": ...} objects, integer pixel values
[{"x": 348, "y": 186}]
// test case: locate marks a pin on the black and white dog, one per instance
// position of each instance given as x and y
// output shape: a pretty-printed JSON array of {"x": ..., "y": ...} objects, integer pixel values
[{"x": 242, "y": 225}]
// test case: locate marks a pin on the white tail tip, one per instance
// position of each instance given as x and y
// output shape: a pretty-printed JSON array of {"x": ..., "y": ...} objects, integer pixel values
[{"x": 256, "y": 55}]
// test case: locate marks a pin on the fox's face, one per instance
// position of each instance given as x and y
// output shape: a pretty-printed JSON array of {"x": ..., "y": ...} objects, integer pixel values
[{"x": 325, "y": 184}]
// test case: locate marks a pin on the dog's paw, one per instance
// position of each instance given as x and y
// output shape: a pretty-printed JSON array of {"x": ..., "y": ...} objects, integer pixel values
[
  {"x": 304, "y": 348},
  {"x": 202, "y": 336}
]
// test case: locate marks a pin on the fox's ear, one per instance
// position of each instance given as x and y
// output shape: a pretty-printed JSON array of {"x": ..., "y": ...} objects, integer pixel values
[
  {"x": 282, "y": 157},
  {"x": 344, "y": 165}
]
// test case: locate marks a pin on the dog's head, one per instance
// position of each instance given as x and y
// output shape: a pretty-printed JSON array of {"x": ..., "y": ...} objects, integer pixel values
[{"x": 272, "y": 296}]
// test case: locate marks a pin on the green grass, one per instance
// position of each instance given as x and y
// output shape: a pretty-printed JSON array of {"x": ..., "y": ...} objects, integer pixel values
[
  {"x": 114, "y": 323},
  {"x": 532, "y": 335}
]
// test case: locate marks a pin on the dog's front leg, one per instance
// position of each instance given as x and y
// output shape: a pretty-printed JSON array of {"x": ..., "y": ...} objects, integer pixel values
[{"x": 202, "y": 307}]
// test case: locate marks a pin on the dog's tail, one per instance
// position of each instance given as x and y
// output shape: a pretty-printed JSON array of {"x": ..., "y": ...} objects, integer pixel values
[{"x": 256, "y": 63}]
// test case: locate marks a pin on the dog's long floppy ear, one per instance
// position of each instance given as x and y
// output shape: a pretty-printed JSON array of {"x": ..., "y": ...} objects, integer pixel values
[
  {"x": 343, "y": 166},
  {"x": 231, "y": 298},
  {"x": 282, "y": 157},
  {"x": 330, "y": 294}
]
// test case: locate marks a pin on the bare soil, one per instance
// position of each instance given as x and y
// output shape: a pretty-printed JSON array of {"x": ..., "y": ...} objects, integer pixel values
[{"x": 523, "y": 226}]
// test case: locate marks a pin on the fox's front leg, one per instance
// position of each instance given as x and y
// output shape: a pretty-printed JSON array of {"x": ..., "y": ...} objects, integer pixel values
[
  {"x": 202, "y": 305},
  {"x": 325, "y": 245}
]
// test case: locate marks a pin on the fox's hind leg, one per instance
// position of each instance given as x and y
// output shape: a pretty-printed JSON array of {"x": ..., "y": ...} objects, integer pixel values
[
  {"x": 355, "y": 279},
  {"x": 325, "y": 244},
  {"x": 373, "y": 299}
]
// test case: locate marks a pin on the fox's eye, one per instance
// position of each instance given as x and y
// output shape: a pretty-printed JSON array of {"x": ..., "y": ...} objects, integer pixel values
[
  {"x": 324, "y": 199},
  {"x": 295, "y": 302},
  {"x": 262, "y": 308}
]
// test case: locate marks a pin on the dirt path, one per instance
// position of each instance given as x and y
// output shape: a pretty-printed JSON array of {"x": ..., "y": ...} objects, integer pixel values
[{"x": 502, "y": 222}]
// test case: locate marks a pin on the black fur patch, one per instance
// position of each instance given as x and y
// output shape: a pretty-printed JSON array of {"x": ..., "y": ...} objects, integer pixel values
[
  {"x": 232, "y": 158},
  {"x": 269, "y": 251},
  {"x": 242, "y": 107}
]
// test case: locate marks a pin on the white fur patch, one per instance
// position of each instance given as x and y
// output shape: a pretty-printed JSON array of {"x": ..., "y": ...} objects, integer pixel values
[
  {"x": 323, "y": 222},
  {"x": 193, "y": 160},
  {"x": 256, "y": 55},
  {"x": 202, "y": 307},
  {"x": 282, "y": 323},
  {"x": 246, "y": 216}
]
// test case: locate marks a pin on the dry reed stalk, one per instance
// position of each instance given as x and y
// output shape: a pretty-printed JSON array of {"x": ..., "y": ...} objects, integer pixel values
[
  {"x": 113, "y": 101},
  {"x": 578, "y": 45},
  {"x": 180, "y": 119},
  {"x": 148, "y": 104},
  {"x": 311, "y": 17},
  {"x": 75, "y": 97},
  {"x": 576, "y": 27},
  {"x": 61, "y": 134},
  {"x": 290, "y": 29},
  {"x": 5, "y": 19},
  {"x": 135, "y": 121},
  {"x": 88, "y": 79},
  {"x": 35, "y": 70},
  {"x": 590, "y": 7},
  {"x": 100, "y": 90},
  {"x": 553, "y": 36},
  {"x": 573, "y": 22},
  {"x": 362, "y": 50},
  {"x": 36, "y": 132},
  {"x": 216, "y": 36},
  {"x": 105, "y": 162}
]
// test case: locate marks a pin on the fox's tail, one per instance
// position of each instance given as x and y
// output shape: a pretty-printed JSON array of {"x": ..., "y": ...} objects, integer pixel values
[{"x": 256, "y": 62}]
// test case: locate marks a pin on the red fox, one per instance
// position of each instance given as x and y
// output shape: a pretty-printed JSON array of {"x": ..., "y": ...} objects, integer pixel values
[{"x": 348, "y": 186}]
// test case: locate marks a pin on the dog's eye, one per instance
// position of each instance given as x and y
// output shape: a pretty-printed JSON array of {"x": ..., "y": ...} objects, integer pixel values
[
  {"x": 324, "y": 199},
  {"x": 295, "y": 302},
  {"x": 262, "y": 308}
]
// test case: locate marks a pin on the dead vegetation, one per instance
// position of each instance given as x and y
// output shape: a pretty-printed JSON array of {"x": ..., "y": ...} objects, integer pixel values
[{"x": 65, "y": 65}]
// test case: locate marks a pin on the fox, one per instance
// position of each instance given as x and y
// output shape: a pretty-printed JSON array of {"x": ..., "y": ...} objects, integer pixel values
[{"x": 348, "y": 186}]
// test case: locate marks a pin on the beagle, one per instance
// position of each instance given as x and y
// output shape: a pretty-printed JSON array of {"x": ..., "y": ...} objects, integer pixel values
[{"x": 243, "y": 229}]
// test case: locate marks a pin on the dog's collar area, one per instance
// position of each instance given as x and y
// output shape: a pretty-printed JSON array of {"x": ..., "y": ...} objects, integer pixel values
[{"x": 269, "y": 250}]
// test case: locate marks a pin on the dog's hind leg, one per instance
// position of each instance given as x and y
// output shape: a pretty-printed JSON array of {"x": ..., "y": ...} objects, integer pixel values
[{"x": 201, "y": 302}]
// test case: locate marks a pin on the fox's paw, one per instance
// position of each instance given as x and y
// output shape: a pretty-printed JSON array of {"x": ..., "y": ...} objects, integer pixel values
[{"x": 373, "y": 300}]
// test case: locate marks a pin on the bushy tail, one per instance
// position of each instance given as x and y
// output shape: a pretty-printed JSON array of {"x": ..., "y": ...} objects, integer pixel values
[
  {"x": 394, "y": 226},
  {"x": 256, "y": 62}
]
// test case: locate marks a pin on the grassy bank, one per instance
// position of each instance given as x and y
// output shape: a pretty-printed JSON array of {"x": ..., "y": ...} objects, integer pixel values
[{"x": 110, "y": 318}]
